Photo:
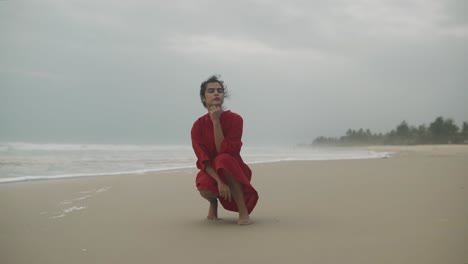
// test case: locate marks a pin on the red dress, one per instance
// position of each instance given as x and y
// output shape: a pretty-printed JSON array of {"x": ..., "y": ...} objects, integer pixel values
[{"x": 228, "y": 158}]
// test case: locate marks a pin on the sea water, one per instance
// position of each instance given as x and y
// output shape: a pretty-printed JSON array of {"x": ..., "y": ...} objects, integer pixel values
[{"x": 21, "y": 161}]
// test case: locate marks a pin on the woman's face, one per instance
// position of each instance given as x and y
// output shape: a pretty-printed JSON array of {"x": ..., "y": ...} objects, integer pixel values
[{"x": 214, "y": 94}]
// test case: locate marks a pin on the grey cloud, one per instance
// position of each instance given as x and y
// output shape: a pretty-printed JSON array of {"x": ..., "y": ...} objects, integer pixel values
[
  {"x": 456, "y": 11},
  {"x": 129, "y": 71}
]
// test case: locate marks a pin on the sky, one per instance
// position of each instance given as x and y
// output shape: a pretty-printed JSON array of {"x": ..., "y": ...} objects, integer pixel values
[{"x": 130, "y": 71}]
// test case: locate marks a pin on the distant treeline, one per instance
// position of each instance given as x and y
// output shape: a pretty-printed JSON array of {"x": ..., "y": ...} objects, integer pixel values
[{"x": 441, "y": 131}]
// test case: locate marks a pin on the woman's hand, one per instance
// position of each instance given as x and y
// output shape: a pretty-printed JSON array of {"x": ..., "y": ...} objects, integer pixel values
[
  {"x": 224, "y": 191},
  {"x": 215, "y": 112}
]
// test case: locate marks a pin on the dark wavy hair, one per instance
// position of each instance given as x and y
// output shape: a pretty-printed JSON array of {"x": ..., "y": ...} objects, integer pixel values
[{"x": 212, "y": 79}]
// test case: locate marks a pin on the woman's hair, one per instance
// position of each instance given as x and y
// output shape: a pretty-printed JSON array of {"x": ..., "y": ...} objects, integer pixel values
[{"x": 212, "y": 79}]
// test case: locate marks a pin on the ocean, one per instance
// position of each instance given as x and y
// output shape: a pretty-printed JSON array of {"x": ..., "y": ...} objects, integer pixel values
[{"x": 21, "y": 161}]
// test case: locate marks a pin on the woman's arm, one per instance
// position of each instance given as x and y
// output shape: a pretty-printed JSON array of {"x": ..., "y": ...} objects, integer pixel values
[
  {"x": 223, "y": 188},
  {"x": 212, "y": 172},
  {"x": 215, "y": 113},
  {"x": 201, "y": 151}
]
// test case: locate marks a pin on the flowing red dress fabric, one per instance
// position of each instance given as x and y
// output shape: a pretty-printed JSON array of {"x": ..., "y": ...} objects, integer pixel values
[{"x": 228, "y": 158}]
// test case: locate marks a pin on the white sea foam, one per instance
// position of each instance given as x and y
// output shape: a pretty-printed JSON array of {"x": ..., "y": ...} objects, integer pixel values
[
  {"x": 82, "y": 198},
  {"x": 64, "y": 176},
  {"x": 58, "y": 216},
  {"x": 67, "y": 211},
  {"x": 21, "y": 161},
  {"x": 74, "y": 208},
  {"x": 105, "y": 189},
  {"x": 25, "y": 146}
]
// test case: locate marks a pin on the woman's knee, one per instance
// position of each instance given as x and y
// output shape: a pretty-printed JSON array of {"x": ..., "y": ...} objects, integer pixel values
[{"x": 209, "y": 195}]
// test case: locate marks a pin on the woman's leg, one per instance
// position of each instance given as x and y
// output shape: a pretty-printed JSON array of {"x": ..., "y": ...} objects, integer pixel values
[
  {"x": 238, "y": 196},
  {"x": 212, "y": 198}
]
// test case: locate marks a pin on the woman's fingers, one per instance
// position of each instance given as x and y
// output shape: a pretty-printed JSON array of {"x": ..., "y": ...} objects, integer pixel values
[
  {"x": 225, "y": 192},
  {"x": 226, "y": 195},
  {"x": 214, "y": 108}
]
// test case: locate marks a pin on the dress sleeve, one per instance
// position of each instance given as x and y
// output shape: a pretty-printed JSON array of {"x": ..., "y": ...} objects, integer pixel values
[
  {"x": 232, "y": 141},
  {"x": 199, "y": 148}
]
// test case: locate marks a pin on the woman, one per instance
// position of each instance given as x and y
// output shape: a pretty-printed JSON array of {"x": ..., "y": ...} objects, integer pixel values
[{"x": 216, "y": 141}]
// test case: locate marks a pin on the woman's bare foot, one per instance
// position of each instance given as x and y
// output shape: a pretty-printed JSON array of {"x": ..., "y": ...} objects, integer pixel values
[
  {"x": 244, "y": 219},
  {"x": 213, "y": 211}
]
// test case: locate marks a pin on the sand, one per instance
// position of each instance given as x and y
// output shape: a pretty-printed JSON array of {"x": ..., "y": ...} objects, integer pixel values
[{"x": 410, "y": 208}]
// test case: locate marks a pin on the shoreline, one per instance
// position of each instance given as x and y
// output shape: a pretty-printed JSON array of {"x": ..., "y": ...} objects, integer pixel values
[
  {"x": 387, "y": 151},
  {"x": 13, "y": 180},
  {"x": 410, "y": 208}
]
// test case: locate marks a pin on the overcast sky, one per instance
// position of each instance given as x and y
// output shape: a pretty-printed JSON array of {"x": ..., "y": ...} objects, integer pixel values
[{"x": 107, "y": 71}]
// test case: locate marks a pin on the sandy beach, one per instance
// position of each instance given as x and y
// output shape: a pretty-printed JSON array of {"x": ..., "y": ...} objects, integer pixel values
[{"x": 409, "y": 208}]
